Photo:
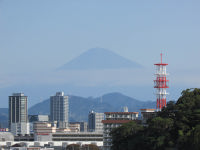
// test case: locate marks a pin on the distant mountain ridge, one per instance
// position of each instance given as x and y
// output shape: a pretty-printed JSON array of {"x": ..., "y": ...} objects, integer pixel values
[
  {"x": 79, "y": 107},
  {"x": 3, "y": 117},
  {"x": 99, "y": 58}
]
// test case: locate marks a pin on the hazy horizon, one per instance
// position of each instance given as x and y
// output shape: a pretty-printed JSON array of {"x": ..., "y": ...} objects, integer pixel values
[{"x": 39, "y": 36}]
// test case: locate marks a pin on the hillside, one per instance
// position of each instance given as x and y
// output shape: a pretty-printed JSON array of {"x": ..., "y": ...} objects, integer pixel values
[
  {"x": 79, "y": 106},
  {"x": 3, "y": 117}
]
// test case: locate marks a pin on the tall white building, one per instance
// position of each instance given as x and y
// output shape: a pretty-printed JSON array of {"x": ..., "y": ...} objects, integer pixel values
[
  {"x": 18, "y": 114},
  {"x": 59, "y": 109},
  {"x": 95, "y": 122}
]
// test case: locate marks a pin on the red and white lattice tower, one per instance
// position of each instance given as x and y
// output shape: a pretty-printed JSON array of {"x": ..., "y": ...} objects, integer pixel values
[{"x": 161, "y": 84}]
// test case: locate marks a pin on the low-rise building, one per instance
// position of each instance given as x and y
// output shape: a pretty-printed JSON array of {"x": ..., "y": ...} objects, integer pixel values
[
  {"x": 83, "y": 126},
  {"x": 36, "y": 118},
  {"x": 6, "y": 136},
  {"x": 43, "y": 131},
  {"x": 20, "y": 128},
  {"x": 89, "y": 137},
  {"x": 74, "y": 127}
]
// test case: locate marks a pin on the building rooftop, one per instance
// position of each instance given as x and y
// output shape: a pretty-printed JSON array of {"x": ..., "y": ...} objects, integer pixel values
[
  {"x": 59, "y": 93},
  {"x": 147, "y": 110},
  {"x": 18, "y": 94}
]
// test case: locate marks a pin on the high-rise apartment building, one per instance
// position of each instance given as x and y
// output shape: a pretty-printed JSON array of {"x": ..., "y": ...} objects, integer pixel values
[
  {"x": 114, "y": 120},
  {"x": 18, "y": 114},
  {"x": 59, "y": 109},
  {"x": 95, "y": 122}
]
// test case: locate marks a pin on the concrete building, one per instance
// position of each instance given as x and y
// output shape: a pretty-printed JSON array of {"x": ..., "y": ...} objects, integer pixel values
[
  {"x": 36, "y": 118},
  {"x": 20, "y": 128},
  {"x": 46, "y": 132},
  {"x": 83, "y": 126},
  {"x": 95, "y": 122},
  {"x": 6, "y": 136},
  {"x": 43, "y": 131},
  {"x": 87, "y": 137},
  {"x": 27, "y": 137},
  {"x": 59, "y": 141},
  {"x": 147, "y": 114},
  {"x": 74, "y": 127},
  {"x": 59, "y": 109},
  {"x": 114, "y": 120},
  {"x": 18, "y": 110}
]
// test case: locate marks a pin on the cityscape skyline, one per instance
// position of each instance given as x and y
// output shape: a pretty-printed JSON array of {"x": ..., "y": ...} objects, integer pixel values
[{"x": 93, "y": 77}]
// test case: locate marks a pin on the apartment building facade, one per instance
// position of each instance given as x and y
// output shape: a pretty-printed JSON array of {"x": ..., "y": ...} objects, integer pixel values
[{"x": 114, "y": 120}]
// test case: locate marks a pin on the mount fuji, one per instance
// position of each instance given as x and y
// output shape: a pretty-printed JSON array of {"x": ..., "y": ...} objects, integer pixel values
[{"x": 99, "y": 58}]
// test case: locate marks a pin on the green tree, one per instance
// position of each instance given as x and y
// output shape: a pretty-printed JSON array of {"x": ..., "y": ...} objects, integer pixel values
[
  {"x": 177, "y": 126},
  {"x": 188, "y": 119},
  {"x": 122, "y": 134},
  {"x": 158, "y": 133}
]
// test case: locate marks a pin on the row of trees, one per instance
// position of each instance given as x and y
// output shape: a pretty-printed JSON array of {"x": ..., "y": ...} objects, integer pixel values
[{"x": 176, "y": 127}]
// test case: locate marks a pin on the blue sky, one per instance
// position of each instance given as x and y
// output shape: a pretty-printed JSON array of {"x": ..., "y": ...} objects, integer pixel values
[{"x": 38, "y": 36}]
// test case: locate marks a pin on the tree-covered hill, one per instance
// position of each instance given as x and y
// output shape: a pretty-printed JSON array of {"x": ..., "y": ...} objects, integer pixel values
[{"x": 176, "y": 127}]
